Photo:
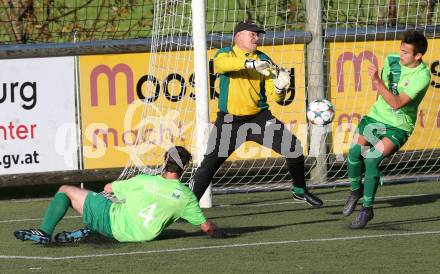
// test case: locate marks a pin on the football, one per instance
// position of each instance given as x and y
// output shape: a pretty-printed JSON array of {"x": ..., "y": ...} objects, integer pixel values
[{"x": 320, "y": 112}]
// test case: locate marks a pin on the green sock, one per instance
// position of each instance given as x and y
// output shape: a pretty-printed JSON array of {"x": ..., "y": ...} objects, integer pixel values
[
  {"x": 372, "y": 176},
  {"x": 354, "y": 162},
  {"x": 55, "y": 212},
  {"x": 298, "y": 190}
]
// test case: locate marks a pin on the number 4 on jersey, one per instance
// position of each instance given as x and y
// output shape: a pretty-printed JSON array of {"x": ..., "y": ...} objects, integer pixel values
[{"x": 147, "y": 213}]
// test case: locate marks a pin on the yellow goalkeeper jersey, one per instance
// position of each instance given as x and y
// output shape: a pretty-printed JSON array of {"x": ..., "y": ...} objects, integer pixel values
[{"x": 243, "y": 91}]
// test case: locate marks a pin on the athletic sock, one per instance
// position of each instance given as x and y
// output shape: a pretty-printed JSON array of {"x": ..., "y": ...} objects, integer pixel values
[
  {"x": 354, "y": 162},
  {"x": 55, "y": 212},
  {"x": 298, "y": 190},
  {"x": 372, "y": 176}
]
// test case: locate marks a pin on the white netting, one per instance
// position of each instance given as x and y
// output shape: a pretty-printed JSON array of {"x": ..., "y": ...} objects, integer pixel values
[{"x": 355, "y": 33}]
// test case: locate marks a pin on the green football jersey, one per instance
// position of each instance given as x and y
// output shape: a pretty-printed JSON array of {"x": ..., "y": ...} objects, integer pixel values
[
  {"x": 150, "y": 204},
  {"x": 414, "y": 82}
]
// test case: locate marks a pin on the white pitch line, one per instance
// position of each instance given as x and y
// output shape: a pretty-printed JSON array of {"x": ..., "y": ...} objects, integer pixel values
[
  {"x": 25, "y": 200},
  {"x": 328, "y": 200},
  {"x": 221, "y": 246},
  {"x": 264, "y": 204},
  {"x": 34, "y": 219}
]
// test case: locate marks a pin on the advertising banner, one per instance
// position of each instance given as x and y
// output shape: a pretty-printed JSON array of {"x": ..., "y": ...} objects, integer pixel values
[{"x": 37, "y": 121}]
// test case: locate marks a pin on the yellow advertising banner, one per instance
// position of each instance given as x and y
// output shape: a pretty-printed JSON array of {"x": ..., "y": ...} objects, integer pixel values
[
  {"x": 127, "y": 101},
  {"x": 352, "y": 93}
]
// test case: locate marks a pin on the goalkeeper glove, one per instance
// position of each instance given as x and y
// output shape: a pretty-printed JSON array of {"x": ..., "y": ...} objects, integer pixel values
[
  {"x": 262, "y": 67},
  {"x": 220, "y": 233},
  {"x": 282, "y": 81}
]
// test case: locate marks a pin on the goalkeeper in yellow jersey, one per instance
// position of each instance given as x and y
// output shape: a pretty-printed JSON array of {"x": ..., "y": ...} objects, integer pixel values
[
  {"x": 148, "y": 205},
  {"x": 401, "y": 86},
  {"x": 248, "y": 78}
]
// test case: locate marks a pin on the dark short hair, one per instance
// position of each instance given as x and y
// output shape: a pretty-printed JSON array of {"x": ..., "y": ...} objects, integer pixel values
[
  {"x": 176, "y": 158},
  {"x": 417, "y": 40}
]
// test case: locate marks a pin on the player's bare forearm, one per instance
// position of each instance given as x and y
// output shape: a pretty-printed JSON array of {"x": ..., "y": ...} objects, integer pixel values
[
  {"x": 395, "y": 101},
  {"x": 390, "y": 98},
  {"x": 108, "y": 188}
]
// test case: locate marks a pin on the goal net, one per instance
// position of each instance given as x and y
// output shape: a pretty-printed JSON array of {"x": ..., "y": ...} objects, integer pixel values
[{"x": 351, "y": 36}]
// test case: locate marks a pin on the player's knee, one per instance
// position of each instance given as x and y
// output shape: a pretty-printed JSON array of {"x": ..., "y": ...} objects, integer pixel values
[
  {"x": 64, "y": 188},
  {"x": 67, "y": 189},
  {"x": 292, "y": 151},
  {"x": 296, "y": 143},
  {"x": 295, "y": 160}
]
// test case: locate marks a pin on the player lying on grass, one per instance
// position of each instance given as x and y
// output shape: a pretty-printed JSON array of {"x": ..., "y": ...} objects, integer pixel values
[
  {"x": 401, "y": 87},
  {"x": 148, "y": 205}
]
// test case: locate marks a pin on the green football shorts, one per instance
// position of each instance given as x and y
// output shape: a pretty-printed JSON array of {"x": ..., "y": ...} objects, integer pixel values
[
  {"x": 374, "y": 131},
  {"x": 96, "y": 214}
]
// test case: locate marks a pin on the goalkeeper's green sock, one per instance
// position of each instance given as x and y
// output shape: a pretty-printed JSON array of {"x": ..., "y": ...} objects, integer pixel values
[{"x": 55, "y": 212}]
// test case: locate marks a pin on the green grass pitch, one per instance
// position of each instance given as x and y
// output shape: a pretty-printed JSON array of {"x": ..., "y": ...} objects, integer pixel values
[{"x": 277, "y": 236}]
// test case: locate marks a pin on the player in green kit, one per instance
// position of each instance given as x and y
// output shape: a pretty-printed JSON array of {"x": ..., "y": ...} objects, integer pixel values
[
  {"x": 401, "y": 87},
  {"x": 148, "y": 205}
]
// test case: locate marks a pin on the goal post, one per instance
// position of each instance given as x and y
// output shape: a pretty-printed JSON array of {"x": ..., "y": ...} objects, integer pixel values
[
  {"x": 201, "y": 88},
  {"x": 315, "y": 90}
]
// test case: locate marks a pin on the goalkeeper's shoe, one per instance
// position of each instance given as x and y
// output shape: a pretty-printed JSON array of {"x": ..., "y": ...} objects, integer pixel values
[
  {"x": 352, "y": 200},
  {"x": 307, "y": 197},
  {"x": 35, "y": 235},
  {"x": 365, "y": 215},
  {"x": 72, "y": 236}
]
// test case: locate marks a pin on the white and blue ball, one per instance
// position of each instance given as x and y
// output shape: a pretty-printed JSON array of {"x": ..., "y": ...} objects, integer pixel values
[{"x": 320, "y": 112}]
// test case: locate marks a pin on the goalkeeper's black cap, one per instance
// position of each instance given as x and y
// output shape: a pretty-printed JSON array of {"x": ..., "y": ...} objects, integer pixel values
[{"x": 247, "y": 25}]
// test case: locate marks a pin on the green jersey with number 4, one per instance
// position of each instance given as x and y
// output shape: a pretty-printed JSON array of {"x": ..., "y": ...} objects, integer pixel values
[
  {"x": 149, "y": 204},
  {"x": 414, "y": 82}
]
